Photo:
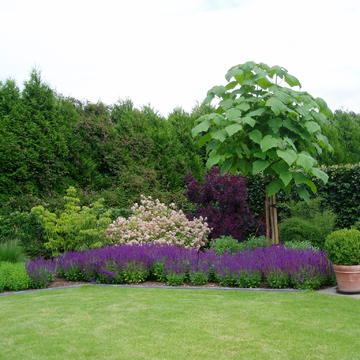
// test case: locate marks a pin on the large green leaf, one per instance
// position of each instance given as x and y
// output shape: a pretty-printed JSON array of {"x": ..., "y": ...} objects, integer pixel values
[
  {"x": 248, "y": 120},
  {"x": 260, "y": 165},
  {"x": 243, "y": 106},
  {"x": 275, "y": 124},
  {"x": 233, "y": 129},
  {"x": 288, "y": 155},
  {"x": 260, "y": 155},
  {"x": 213, "y": 160},
  {"x": 233, "y": 114},
  {"x": 231, "y": 85},
  {"x": 286, "y": 177},
  {"x": 203, "y": 126},
  {"x": 300, "y": 179},
  {"x": 320, "y": 174},
  {"x": 324, "y": 108},
  {"x": 257, "y": 112},
  {"x": 255, "y": 136},
  {"x": 226, "y": 104},
  {"x": 312, "y": 126},
  {"x": 204, "y": 139},
  {"x": 276, "y": 105},
  {"x": 218, "y": 90},
  {"x": 268, "y": 142},
  {"x": 292, "y": 80},
  {"x": 219, "y": 135},
  {"x": 282, "y": 169},
  {"x": 226, "y": 166},
  {"x": 319, "y": 117},
  {"x": 305, "y": 161},
  {"x": 232, "y": 72},
  {"x": 274, "y": 187},
  {"x": 303, "y": 193},
  {"x": 263, "y": 82}
]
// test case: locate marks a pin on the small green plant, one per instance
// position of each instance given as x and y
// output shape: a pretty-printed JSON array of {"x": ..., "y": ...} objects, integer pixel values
[
  {"x": 300, "y": 245},
  {"x": 249, "y": 279},
  {"x": 158, "y": 272},
  {"x": 11, "y": 252},
  {"x": 253, "y": 242},
  {"x": 343, "y": 247},
  {"x": 13, "y": 277},
  {"x": 199, "y": 278},
  {"x": 225, "y": 244},
  {"x": 277, "y": 279},
  {"x": 76, "y": 227},
  {"x": 175, "y": 279}
]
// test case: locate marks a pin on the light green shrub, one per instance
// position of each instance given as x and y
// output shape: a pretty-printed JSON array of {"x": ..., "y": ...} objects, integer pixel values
[
  {"x": 343, "y": 247},
  {"x": 13, "y": 277},
  {"x": 76, "y": 227}
]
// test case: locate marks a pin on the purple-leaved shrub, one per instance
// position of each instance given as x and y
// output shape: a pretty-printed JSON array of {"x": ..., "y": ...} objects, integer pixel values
[
  {"x": 222, "y": 200},
  {"x": 154, "y": 222}
]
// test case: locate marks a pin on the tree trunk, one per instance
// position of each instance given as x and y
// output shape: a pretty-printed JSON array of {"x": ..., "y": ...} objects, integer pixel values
[{"x": 272, "y": 228}]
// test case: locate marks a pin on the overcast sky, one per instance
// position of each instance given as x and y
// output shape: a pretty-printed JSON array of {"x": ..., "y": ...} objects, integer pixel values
[{"x": 168, "y": 53}]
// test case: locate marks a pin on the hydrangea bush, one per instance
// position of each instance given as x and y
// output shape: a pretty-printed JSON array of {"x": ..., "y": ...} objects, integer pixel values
[{"x": 154, "y": 222}]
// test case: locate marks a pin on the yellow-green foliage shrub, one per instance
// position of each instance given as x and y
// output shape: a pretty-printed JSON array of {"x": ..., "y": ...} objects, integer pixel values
[{"x": 76, "y": 227}]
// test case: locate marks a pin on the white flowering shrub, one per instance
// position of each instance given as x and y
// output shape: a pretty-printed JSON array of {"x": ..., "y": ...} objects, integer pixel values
[{"x": 154, "y": 222}]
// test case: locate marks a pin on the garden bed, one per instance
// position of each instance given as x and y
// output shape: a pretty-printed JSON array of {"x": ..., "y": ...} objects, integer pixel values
[{"x": 274, "y": 267}]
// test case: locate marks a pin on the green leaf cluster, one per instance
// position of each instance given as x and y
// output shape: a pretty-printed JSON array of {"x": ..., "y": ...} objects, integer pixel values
[
  {"x": 76, "y": 227},
  {"x": 261, "y": 125}
]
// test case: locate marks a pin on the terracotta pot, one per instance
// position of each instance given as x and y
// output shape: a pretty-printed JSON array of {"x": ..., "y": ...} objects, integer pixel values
[{"x": 347, "y": 278}]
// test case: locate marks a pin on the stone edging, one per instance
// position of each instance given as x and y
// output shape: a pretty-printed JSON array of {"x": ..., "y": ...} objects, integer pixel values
[{"x": 155, "y": 287}]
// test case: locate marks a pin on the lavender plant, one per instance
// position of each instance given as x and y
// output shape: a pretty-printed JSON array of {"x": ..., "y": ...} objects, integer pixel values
[{"x": 277, "y": 266}]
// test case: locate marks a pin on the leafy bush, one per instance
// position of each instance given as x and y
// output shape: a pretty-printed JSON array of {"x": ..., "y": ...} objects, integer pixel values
[
  {"x": 175, "y": 279},
  {"x": 11, "y": 252},
  {"x": 298, "y": 229},
  {"x": 225, "y": 244},
  {"x": 77, "y": 227},
  {"x": 154, "y": 222},
  {"x": 343, "y": 247},
  {"x": 24, "y": 228},
  {"x": 253, "y": 242},
  {"x": 13, "y": 277},
  {"x": 307, "y": 223},
  {"x": 222, "y": 200},
  {"x": 199, "y": 278},
  {"x": 231, "y": 245}
]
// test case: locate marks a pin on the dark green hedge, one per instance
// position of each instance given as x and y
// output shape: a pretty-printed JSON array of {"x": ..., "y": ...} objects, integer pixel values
[{"x": 341, "y": 194}]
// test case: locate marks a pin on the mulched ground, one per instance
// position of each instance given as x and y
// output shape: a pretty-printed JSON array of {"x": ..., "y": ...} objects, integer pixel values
[{"x": 59, "y": 282}]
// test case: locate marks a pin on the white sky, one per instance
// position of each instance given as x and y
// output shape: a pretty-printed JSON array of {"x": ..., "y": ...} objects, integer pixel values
[{"x": 168, "y": 53}]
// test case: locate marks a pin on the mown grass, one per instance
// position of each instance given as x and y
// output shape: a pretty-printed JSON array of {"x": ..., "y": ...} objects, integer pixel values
[{"x": 126, "y": 323}]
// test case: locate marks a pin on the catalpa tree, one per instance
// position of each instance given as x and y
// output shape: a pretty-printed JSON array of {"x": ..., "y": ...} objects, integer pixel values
[{"x": 262, "y": 124}]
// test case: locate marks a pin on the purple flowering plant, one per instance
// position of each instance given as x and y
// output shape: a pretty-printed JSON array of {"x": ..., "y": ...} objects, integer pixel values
[{"x": 275, "y": 266}]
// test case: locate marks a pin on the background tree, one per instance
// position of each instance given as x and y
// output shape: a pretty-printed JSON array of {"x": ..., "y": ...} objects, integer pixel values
[{"x": 261, "y": 125}]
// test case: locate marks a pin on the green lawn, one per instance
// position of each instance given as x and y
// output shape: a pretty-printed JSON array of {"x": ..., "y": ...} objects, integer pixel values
[{"x": 126, "y": 323}]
